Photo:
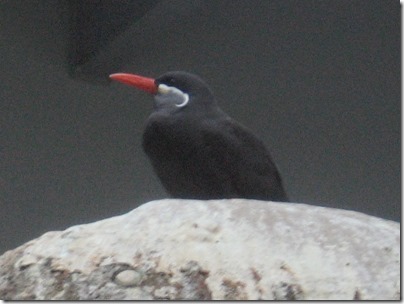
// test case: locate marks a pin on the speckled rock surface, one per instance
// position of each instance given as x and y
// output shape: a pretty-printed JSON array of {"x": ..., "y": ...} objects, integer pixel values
[{"x": 225, "y": 249}]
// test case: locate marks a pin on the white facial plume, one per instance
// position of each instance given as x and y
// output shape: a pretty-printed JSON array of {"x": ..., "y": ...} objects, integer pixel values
[{"x": 170, "y": 95}]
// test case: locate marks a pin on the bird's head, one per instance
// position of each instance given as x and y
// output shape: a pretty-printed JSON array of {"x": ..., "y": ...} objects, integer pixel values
[{"x": 172, "y": 90}]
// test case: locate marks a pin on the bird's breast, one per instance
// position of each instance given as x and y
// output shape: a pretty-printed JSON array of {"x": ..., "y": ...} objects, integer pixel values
[{"x": 167, "y": 138}]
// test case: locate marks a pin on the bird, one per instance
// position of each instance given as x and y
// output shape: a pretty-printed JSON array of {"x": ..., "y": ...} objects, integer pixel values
[{"x": 196, "y": 149}]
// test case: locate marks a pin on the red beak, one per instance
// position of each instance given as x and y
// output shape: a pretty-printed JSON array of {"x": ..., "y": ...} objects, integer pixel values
[{"x": 143, "y": 83}]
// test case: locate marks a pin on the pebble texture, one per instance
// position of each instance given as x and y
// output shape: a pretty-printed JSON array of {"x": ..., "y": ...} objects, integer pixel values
[{"x": 225, "y": 249}]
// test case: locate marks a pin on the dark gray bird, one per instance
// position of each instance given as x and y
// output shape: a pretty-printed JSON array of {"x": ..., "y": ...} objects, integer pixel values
[{"x": 196, "y": 149}]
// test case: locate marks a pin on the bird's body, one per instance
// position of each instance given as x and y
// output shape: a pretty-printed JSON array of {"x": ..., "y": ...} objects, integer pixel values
[{"x": 199, "y": 152}]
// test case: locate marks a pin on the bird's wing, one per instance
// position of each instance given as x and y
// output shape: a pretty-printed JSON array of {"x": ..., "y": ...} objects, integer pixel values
[{"x": 242, "y": 158}]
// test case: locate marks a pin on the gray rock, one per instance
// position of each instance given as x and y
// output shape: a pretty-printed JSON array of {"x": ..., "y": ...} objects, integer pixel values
[{"x": 224, "y": 249}]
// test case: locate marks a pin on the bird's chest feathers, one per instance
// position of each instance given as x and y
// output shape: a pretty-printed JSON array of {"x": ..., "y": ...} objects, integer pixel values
[{"x": 170, "y": 138}]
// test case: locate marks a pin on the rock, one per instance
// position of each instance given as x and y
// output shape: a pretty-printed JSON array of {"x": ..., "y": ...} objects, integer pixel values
[{"x": 224, "y": 249}]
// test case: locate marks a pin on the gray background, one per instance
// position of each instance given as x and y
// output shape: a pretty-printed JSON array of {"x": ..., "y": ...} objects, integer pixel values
[{"x": 318, "y": 81}]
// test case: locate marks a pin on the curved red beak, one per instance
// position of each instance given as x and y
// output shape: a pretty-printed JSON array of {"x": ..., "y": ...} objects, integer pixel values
[{"x": 143, "y": 83}]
